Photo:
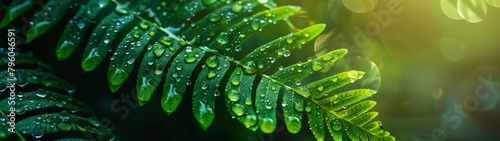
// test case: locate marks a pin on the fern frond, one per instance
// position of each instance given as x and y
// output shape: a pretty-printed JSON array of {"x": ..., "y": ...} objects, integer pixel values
[
  {"x": 28, "y": 102},
  {"x": 177, "y": 37}
]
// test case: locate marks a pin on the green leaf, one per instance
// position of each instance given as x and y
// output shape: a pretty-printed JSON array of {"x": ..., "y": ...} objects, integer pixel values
[
  {"x": 152, "y": 66},
  {"x": 127, "y": 53},
  {"x": 218, "y": 29},
  {"x": 41, "y": 98},
  {"x": 265, "y": 55},
  {"x": 16, "y": 9},
  {"x": 315, "y": 116},
  {"x": 334, "y": 127},
  {"x": 78, "y": 27},
  {"x": 239, "y": 98},
  {"x": 206, "y": 89},
  {"x": 24, "y": 77},
  {"x": 292, "y": 105},
  {"x": 265, "y": 104},
  {"x": 61, "y": 122},
  {"x": 47, "y": 17},
  {"x": 178, "y": 76},
  {"x": 99, "y": 44}
]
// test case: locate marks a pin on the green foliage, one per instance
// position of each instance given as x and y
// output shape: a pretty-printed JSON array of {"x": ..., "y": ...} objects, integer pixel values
[
  {"x": 180, "y": 36},
  {"x": 37, "y": 91}
]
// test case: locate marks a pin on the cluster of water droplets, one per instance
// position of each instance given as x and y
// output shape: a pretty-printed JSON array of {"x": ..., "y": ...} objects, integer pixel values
[
  {"x": 239, "y": 99},
  {"x": 78, "y": 25}
]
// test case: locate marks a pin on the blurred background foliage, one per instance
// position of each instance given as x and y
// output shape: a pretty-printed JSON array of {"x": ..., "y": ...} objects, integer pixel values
[{"x": 424, "y": 56}]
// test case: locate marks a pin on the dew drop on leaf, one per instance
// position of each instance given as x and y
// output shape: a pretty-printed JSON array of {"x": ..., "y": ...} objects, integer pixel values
[
  {"x": 215, "y": 18},
  {"x": 255, "y": 25},
  {"x": 235, "y": 82},
  {"x": 41, "y": 93},
  {"x": 250, "y": 120},
  {"x": 211, "y": 75},
  {"x": 267, "y": 125},
  {"x": 217, "y": 93},
  {"x": 131, "y": 61},
  {"x": 190, "y": 58},
  {"x": 238, "y": 109},
  {"x": 335, "y": 125},
  {"x": 248, "y": 101},
  {"x": 233, "y": 95},
  {"x": 223, "y": 38},
  {"x": 212, "y": 62},
  {"x": 237, "y": 8}
]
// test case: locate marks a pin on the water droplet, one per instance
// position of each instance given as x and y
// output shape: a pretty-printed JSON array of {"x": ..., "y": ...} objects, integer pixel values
[
  {"x": 204, "y": 85},
  {"x": 64, "y": 124},
  {"x": 20, "y": 108},
  {"x": 211, "y": 74},
  {"x": 287, "y": 53},
  {"x": 158, "y": 50},
  {"x": 248, "y": 101},
  {"x": 308, "y": 108},
  {"x": 297, "y": 82},
  {"x": 188, "y": 49},
  {"x": 223, "y": 38},
  {"x": 165, "y": 40},
  {"x": 335, "y": 125},
  {"x": 298, "y": 107},
  {"x": 217, "y": 93},
  {"x": 250, "y": 120},
  {"x": 237, "y": 8},
  {"x": 320, "y": 88},
  {"x": 268, "y": 106},
  {"x": 317, "y": 66},
  {"x": 267, "y": 125},
  {"x": 131, "y": 61},
  {"x": 190, "y": 58},
  {"x": 212, "y": 62},
  {"x": 255, "y": 25},
  {"x": 215, "y": 18},
  {"x": 233, "y": 95},
  {"x": 71, "y": 91},
  {"x": 41, "y": 93},
  {"x": 37, "y": 135},
  {"x": 306, "y": 34},
  {"x": 238, "y": 109},
  {"x": 289, "y": 39},
  {"x": 235, "y": 82},
  {"x": 352, "y": 74},
  {"x": 80, "y": 25}
]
